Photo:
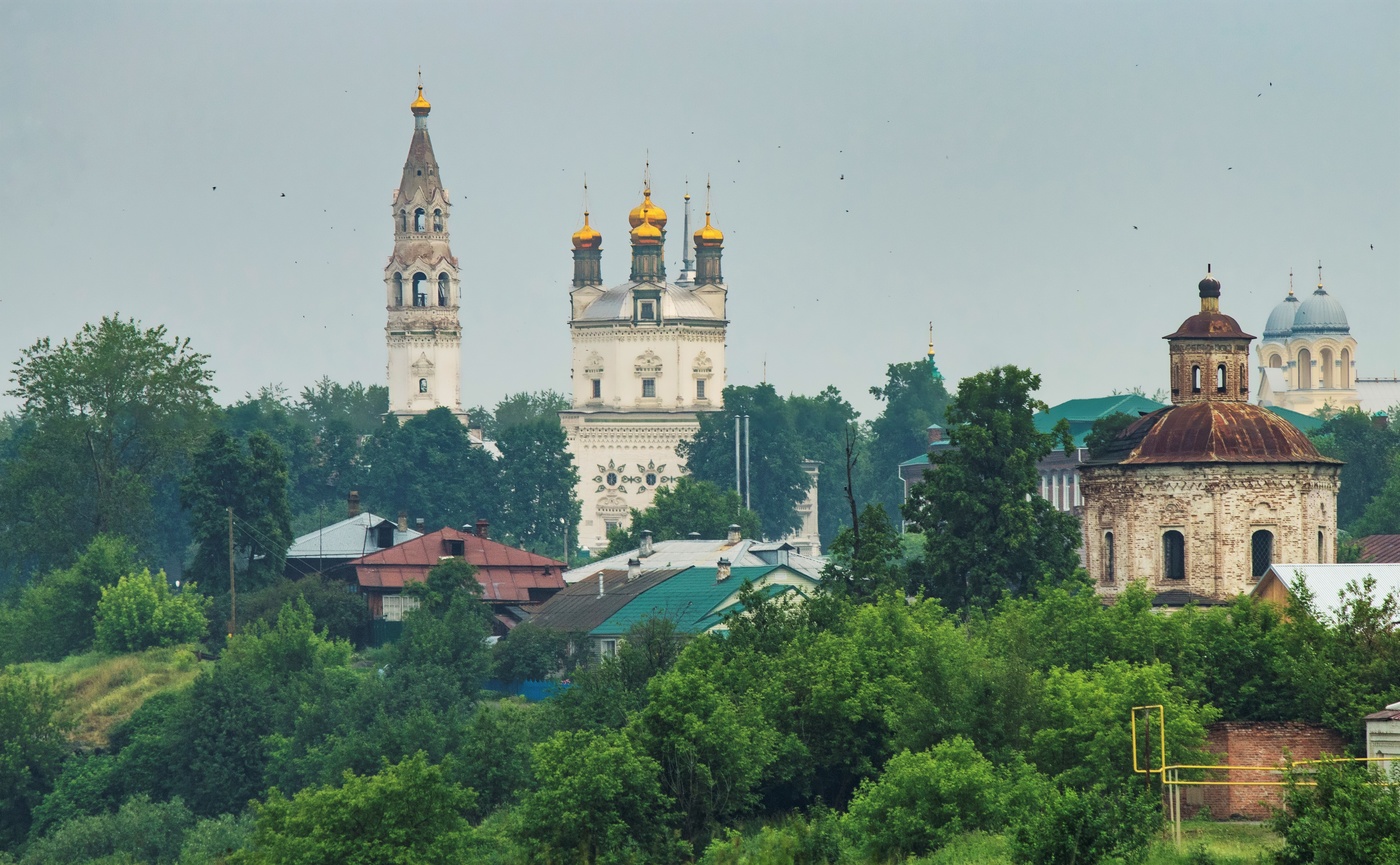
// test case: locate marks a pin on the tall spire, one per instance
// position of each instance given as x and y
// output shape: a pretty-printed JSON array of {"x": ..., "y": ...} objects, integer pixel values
[
  {"x": 932, "y": 364},
  {"x": 687, "y": 276}
]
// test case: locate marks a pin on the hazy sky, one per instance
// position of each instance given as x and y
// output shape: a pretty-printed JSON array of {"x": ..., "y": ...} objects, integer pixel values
[{"x": 1044, "y": 181}]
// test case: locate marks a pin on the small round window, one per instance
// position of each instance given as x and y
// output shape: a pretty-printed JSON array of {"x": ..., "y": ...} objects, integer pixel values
[
  {"x": 612, "y": 479},
  {"x": 651, "y": 479}
]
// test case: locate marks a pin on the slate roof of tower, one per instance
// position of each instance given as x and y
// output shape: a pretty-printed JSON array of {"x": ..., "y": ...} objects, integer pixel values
[{"x": 420, "y": 170}]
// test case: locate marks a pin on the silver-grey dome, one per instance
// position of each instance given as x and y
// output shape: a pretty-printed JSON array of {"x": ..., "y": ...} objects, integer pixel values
[
  {"x": 1280, "y": 323},
  {"x": 1320, "y": 313},
  {"x": 615, "y": 304}
]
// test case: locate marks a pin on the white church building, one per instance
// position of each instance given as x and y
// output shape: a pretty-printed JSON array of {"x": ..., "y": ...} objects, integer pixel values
[{"x": 648, "y": 358}]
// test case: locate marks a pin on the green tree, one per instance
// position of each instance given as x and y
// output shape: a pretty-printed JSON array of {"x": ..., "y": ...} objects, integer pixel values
[
  {"x": 1346, "y": 818},
  {"x": 527, "y": 408},
  {"x": 924, "y": 800},
  {"x": 1368, "y": 451},
  {"x": 140, "y": 612},
  {"x": 1105, "y": 430},
  {"x": 776, "y": 477},
  {"x": 407, "y": 813},
  {"x": 442, "y": 658},
  {"x": 690, "y": 505},
  {"x": 530, "y": 652},
  {"x": 428, "y": 467},
  {"x": 597, "y": 799},
  {"x": 988, "y": 532},
  {"x": 1382, "y": 514},
  {"x": 914, "y": 397},
  {"x": 873, "y": 568},
  {"x": 145, "y": 831},
  {"x": 254, "y": 484},
  {"x": 53, "y": 617},
  {"x": 540, "y": 511},
  {"x": 1103, "y": 824},
  {"x": 116, "y": 411},
  {"x": 822, "y": 422},
  {"x": 33, "y": 744}
]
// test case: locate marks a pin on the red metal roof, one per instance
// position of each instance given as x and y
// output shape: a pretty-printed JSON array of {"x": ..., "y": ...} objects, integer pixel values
[
  {"x": 506, "y": 573},
  {"x": 1212, "y": 431},
  {"x": 1380, "y": 548}
]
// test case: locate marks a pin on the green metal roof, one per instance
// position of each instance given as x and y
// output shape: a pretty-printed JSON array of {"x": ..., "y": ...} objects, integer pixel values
[
  {"x": 693, "y": 599},
  {"x": 1305, "y": 423},
  {"x": 1082, "y": 413}
]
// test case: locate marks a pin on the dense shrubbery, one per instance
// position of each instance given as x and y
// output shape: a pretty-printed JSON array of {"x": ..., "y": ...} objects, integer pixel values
[{"x": 140, "y": 612}]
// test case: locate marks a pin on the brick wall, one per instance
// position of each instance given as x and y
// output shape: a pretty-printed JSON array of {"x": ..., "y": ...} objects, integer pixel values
[{"x": 1255, "y": 743}]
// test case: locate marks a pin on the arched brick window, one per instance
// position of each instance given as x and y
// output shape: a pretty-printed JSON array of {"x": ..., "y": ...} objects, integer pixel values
[
  {"x": 1261, "y": 545},
  {"x": 1173, "y": 555},
  {"x": 1110, "y": 563},
  {"x": 1195, "y": 379}
]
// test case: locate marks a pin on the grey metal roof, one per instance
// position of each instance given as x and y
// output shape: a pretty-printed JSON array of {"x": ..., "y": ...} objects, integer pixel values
[
  {"x": 687, "y": 553},
  {"x": 1327, "y": 582},
  {"x": 1320, "y": 313},
  {"x": 348, "y": 539},
  {"x": 580, "y": 607},
  {"x": 1378, "y": 394},
  {"x": 1280, "y": 323},
  {"x": 615, "y": 304}
]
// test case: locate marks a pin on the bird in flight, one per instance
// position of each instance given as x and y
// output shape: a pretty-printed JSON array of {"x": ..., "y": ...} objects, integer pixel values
[{"x": 1135, "y": 228}]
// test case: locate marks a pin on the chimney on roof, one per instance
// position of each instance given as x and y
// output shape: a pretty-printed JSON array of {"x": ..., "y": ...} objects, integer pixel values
[
  {"x": 935, "y": 433},
  {"x": 600, "y": 583},
  {"x": 483, "y": 528},
  {"x": 634, "y": 569},
  {"x": 1380, "y": 420},
  {"x": 403, "y": 521},
  {"x": 476, "y": 433},
  {"x": 418, "y": 526},
  {"x": 354, "y": 503},
  {"x": 645, "y": 548},
  {"x": 734, "y": 536},
  {"x": 721, "y": 570},
  {"x": 693, "y": 536}
]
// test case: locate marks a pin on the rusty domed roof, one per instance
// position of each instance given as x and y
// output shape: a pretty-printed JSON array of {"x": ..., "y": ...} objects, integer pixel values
[
  {"x": 1210, "y": 432},
  {"x": 1210, "y": 325}
]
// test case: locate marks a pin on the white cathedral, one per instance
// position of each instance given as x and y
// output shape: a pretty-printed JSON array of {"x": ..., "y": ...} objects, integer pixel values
[
  {"x": 648, "y": 358},
  {"x": 422, "y": 288}
]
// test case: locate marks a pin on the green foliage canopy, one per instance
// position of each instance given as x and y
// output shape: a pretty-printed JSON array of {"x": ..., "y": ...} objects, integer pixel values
[
  {"x": 140, "y": 612},
  {"x": 690, "y": 505}
]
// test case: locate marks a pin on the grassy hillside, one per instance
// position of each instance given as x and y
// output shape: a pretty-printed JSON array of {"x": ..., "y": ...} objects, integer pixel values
[{"x": 103, "y": 690}]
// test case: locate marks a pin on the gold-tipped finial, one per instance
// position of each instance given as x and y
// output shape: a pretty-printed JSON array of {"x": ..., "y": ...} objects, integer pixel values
[
  {"x": 420, "y": 106},
  {"x": 1319, "y": 273},
  {"x": 1290, "y": 282},
  {"x": 658, "y": 216},
  {"x": 930, "y": 339},
  {"x": 708, "y": 235},
  {"x": 588, "y": 236}
]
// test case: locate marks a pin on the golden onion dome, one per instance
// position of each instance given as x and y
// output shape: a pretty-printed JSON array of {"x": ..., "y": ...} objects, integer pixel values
[
  {"x": 420, "y": 106},
  {"x": 646, "y": 233},
  {"x": 658, "y": 216},
  {"x": 588, "y": 236},
  {"x": 709, "y": 235}
]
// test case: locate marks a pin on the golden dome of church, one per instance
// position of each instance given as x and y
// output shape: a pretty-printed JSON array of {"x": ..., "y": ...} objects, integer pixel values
[
  {"x": 1204, "y": 495},
  {"x": 587, "y": 237},
  {"x": 656, "y": 214}
]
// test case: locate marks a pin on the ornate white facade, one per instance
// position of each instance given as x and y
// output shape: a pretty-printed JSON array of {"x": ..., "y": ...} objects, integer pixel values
[
  {"x": 1307, "y": 358},
  {"x": 648, "y": 357},
  {"x": 422, "y": 287}
]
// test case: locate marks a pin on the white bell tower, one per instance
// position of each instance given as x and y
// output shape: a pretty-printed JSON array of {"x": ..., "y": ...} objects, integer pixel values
[{"x": 422, "y": 286}]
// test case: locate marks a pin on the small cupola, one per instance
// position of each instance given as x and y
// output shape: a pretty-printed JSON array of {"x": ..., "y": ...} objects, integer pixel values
[{"x": 1209, "y": 352}]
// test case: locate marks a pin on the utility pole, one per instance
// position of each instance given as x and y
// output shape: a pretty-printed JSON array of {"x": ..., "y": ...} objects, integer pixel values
[
  {"x": 748, "y": 504},
  {"x": 738, "y": 486},
  {"x": 232, "y": 587}
]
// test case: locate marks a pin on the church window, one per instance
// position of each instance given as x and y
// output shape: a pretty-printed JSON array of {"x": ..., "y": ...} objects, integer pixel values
[
  {"x": 1321, "y": 547},
  {"x": 648, "y": 312},
  {"x": 612, "y": 479},
  {"x": 1244, "y": 379},
  {"x": 1110, "y": 564},
  {"x": 403, "y": 220},
  {"x": 609, "y": 526},
  {"x": 1195, "y": 379},
  {"x": 444, "y": 288},
  {"x": 1345, "y": 378},
  {"x": 422, "y": 385},
  {"x": 1174, "y": 555},
  {"x": 419, "y": 220},
  {"x": 699, "y": 388},
  {"x": 649, "y": 388},
  {"x": 1304, "y": 369},
  {"x": 597, "y": 388},
  {"x": 1262, "y": 546},
  {"x": 651, "y": 479},
  {"x": 420, "y": 290},
  {"x": 1327, "y": 371},
  {"x": 437, "y": 220},
  {"x": 1220, "y": 378},
  {"x": 398, "y": 289},
  {"x": 1275, "y": 362}
]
